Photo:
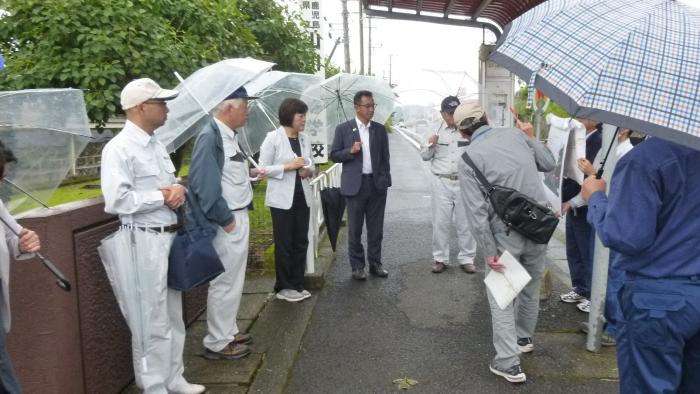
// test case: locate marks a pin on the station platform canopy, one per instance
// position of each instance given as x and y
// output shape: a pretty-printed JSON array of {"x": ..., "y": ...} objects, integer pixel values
[{"x": 489, "y": 14}]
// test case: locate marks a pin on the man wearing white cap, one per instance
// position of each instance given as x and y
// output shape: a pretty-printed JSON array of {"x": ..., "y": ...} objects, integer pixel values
[
  {"x": 443, "y": 150},
  {"x": 511, "y": 158},
  {"x": 138, "y": 184}
]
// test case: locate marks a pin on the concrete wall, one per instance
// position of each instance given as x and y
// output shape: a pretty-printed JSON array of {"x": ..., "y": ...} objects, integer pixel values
[{"x": 72, "y": 342}]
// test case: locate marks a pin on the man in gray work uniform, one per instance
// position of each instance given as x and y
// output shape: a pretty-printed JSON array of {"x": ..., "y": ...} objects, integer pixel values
[
  {"x": 508, "y": 157},
  {"x": 443, "y": 150}
]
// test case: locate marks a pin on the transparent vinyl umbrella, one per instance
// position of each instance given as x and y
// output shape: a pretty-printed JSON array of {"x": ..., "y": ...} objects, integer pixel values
[
  {"x": 272, "y": 88},
  {"x": 201, "y": 92},
  {"x": 46, "y": 129},
  {"x": 332, "y": 101}
]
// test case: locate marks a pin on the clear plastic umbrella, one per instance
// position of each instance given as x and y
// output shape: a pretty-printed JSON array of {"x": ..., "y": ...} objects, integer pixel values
[
  {"x": 204, "y": 90},
  {"x": 46, "y": 129},
  {"x": 272, "y": 88},
  {"x": 132, "y": 282},
  {"x": 330, "y": 102}
]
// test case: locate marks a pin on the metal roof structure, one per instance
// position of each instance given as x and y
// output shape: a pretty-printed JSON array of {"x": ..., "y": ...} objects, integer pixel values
[{"x": 490, "y": 14}]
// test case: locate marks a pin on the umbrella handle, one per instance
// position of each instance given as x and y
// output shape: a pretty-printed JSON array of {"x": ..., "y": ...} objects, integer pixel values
[
  {"x": 62, "y": 282},
  {"x": 599, "y": 174}
]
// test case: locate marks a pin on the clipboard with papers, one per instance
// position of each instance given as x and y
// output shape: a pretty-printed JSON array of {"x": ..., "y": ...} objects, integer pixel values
[{"x": 505, "y": 286}]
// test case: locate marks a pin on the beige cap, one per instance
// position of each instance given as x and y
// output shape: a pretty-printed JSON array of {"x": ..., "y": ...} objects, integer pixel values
[
  {"x": 466, "y": 110},
  {"x": 140, "y": 90}
]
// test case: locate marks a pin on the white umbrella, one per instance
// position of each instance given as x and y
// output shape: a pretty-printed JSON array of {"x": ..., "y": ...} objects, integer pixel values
[
  {"x": 271, "y": 88},
  {"x": 202, "y": 91},
  {"x": 330, "y": 102},
  {"x": 120, "y": 253},
  {"x": 46, "y": 129}
]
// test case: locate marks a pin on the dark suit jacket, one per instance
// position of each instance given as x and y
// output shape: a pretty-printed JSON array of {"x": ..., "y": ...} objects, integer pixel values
[
  {"x": 570, "y": 188},
  {"x": 351, "y": 179}
]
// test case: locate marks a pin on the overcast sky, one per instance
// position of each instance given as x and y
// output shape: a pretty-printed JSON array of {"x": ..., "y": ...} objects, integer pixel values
[{"x": 429, "y": 61}]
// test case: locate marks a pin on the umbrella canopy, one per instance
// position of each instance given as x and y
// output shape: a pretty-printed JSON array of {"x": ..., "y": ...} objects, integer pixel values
[
  {"x": 630, "y": 63},
  {"x": 330, "y": 102},
  {"x": 333, "y": 205},
  {"x": 272, "y": 88},
  {"x": 46, "y": 129},
  {"x": 206, "y": 88}
]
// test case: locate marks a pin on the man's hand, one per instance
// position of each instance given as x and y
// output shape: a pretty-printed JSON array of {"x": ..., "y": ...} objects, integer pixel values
[
  {"x": 258, "y": 173},
  {"x": 173, "y": 195},
  {"x": 565, "y": 208},
  {"x": 592, "y": 185},
  {"x": 586, "y": 167},
  {"x": 356, "y": 147},
  {"x": 433, "y": 139},
  {"x": 229, "y": 229},
  {"x": 492, "y": 262},
  {"x": 28, "y": 241},
  {"x": 526, "y": 127},
  {"x": 294, "y": 164}
]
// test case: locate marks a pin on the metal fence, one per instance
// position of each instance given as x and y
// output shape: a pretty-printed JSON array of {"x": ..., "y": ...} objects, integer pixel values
[{"x": 326, "y": 179}]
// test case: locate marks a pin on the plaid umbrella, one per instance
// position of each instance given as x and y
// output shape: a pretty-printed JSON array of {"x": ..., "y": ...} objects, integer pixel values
[{"x": 631, "y": 63}]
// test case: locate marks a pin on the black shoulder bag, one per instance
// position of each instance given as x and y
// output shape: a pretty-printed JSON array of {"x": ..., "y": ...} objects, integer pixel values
[{"x": 518, "y": 211}]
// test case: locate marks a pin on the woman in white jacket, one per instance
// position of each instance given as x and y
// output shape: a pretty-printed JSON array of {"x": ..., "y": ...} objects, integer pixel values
[
  {"x": 20, "y": 248},
  {"x": 286, "y": 156}
]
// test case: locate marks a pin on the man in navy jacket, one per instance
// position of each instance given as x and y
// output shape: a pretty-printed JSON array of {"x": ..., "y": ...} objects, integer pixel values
[
  {"x": 363, "y": 147},
  {"x": 651, "y": 218}
]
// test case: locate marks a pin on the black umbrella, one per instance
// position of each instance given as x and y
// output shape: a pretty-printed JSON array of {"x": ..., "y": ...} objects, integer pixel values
[{"x": 333, "y": 204}]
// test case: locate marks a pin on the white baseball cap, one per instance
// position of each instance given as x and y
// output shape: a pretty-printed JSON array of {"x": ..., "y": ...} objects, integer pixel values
[
  {"x": 141, "y": 90},
  {"x": 468, "y": 110}
]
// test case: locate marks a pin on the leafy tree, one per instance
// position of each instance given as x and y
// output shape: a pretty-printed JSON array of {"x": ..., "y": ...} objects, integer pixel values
[
  {"x": 331, "y": 69},
  {"x": 99, "y": 45},
  {"x": 281, "y": 35}
]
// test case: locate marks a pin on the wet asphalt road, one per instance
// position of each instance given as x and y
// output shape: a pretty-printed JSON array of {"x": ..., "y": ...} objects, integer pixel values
[{"x": 432, "y": 328}]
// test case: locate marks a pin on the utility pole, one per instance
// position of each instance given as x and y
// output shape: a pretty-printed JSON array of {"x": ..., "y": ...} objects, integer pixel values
[
  {"x": 346, "y": 36},
  {"x": 362, "y": 44},
  {"x": 390, "y": 56},
  {"x": 369, "y": 38}
]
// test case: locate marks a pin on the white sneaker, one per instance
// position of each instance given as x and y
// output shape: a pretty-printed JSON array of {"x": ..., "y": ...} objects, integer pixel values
[
  {"x": 289, "y": 295},
  {"x": 571, "y": 297},
  {"x": 305, "y": 293},
  {"x": 584, "y": 306},
  {"x": 189, "y": 388},
  {"x": 513, "y": 374}
]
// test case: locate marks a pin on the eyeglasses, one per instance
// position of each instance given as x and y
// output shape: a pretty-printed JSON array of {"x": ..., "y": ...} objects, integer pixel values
[{"x": 368, "y": 106}]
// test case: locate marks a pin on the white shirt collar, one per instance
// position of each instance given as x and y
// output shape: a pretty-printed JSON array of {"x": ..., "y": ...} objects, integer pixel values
[
  {"x": 360, "y": 124},
  {"x": 225, "y": 129},
  {"x": 139, "y": 135}
]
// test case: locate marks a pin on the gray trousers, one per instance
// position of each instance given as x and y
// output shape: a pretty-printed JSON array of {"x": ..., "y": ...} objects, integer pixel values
[{"x": 519, "y": 319}]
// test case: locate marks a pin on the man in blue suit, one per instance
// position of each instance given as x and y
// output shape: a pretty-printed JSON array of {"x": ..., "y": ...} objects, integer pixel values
[{"x": 363, "y": 147}]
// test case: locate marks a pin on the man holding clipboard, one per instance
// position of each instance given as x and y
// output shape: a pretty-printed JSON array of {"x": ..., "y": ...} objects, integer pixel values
[{"x": 509, "y": 157}]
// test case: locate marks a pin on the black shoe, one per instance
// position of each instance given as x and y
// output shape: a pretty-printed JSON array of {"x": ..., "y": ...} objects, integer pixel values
[
  {"x": 359, "y": 274},
  {"x": 378, "y": 271}
]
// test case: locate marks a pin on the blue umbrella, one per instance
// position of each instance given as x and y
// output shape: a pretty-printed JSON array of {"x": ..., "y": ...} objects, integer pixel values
[{"x": 631, "y": 63}]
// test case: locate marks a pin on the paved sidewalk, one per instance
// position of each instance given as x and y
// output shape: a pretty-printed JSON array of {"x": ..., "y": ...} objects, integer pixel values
[{"x": 352, "y": 337}]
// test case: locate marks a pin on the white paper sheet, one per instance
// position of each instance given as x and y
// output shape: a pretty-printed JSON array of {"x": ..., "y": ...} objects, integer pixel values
[{"x": 505, "y": 286}]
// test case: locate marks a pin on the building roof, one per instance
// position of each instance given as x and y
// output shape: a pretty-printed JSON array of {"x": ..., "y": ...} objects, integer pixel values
[{"x": 489, "y": 14}]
